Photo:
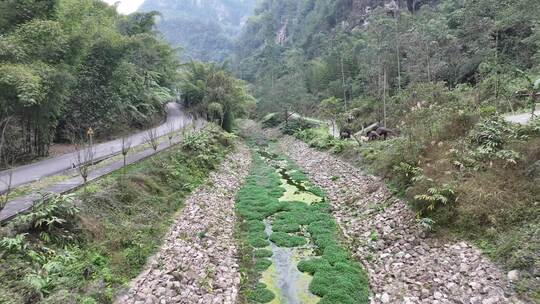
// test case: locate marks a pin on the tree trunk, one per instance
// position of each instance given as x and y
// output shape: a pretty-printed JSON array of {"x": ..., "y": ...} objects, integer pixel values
[
  {"x": 398, "y": 51},
  {"x": 343, "y": 83},
  {"x": 384, "y": 97}
]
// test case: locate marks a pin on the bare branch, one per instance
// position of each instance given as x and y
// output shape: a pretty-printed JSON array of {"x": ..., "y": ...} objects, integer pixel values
[
  {"x": 84, "y": 155},
  {"x": 171, "y": 127},
  {"x": 126, "y": 146},
  {"x": 152, "y": 138}
]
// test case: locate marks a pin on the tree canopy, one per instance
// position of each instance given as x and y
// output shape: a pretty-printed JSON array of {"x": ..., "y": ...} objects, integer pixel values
[{"x": 68, "y": 65}]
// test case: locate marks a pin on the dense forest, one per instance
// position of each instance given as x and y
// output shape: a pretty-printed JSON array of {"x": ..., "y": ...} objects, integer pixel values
[
  {"x": 66, "y": 66},
  {"x": 297, "y": 53},
  {"x": 204, "y": 30}
]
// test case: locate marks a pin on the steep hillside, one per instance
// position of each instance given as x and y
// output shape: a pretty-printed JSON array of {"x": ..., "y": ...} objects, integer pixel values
[
  {"x": 347, "y": 48},
  {"x": 437, "y": 77},
  {"x": 204, "y": 29}
]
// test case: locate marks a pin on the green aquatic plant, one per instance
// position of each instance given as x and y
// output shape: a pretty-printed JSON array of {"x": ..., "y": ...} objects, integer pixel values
[
  {"x": 262, "y": 253},
  {"x": 262, "y": 264},
  {"x": 283, "y": 239},
  {"x": 260, "y": 294},
  {"x": 261, "y": 205}
]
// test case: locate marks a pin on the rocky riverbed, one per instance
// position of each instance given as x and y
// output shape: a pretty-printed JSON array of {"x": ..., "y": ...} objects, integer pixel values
[
  {"x": 404, "y": 264},
  {"x": 196, "y": 263}
]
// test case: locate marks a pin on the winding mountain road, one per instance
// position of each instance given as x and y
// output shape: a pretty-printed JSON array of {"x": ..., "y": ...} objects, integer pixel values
[{"x": 176, "y": 119}]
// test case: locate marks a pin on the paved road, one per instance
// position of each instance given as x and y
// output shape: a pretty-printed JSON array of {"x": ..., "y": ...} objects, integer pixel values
[
  {"x": 24, "y": 203},
  {"x": 522, "y": 119},
  {"x": 35, "y": 171}
]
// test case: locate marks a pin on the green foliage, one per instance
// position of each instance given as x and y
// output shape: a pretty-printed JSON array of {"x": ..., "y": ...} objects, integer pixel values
[
  {"x": 426, "y": 223},
  {"x": 531, "y": 129},
  {"x": 491, "y": 134},
  {"x": 336, "y": 278},
  {"x": 117, "y": 228},
  {"x": 330, "y": 108},
  {"x": 50, "y": 211},
  {"x": 204, "y": 30},
  {"x": 208, "y": 89},
  {"x": 69, "y": 65},
  {"x": 262, "y": 253},
  {"x": 296, "y": 124},
  {"x": 319, "y": 57},
  {"x": 435, "y": 197},
  {"x": 408, "y": 173},
  {"x": 15, "y": 244},
  {"x": 283, "y": 239},
  {"x": 341, "y": 282},
  {"x": 272, "y": 120},
  {"x": 262, "y": 264},
  {"x": 320, "y": 139},
  {"x": 260, "y": 294}
]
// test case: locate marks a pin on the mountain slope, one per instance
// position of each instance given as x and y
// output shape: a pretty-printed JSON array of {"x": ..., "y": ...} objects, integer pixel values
[{"x": 205, "y": 29}]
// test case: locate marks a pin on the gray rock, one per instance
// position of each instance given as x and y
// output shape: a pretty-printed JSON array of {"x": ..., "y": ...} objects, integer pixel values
[
  {"x": 513, "y": 275},
  {"x": 175, "y": 274},
  {"x": 406, "y": 261}
]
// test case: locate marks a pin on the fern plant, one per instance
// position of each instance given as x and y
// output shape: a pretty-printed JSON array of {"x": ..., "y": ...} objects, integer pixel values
[
  {"x": 425, "y": 222},
  {"x": 50, "y": 211},
  {"x": 491, "y": 134},
  {"x": 435, "y": 197},
  {"x": 410, "y": 173},
  {"x": 15, "y": 244}
]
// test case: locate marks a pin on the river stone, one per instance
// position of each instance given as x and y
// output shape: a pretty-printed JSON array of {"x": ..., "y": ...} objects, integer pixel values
[
  {"x": 513, "y": 275},
  {"x": 189, "y": 268},
  {"x": 427, "y": 265}
]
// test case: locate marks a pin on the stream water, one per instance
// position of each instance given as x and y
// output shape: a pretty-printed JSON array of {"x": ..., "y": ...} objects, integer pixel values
[{"x": 283, "y": 277}]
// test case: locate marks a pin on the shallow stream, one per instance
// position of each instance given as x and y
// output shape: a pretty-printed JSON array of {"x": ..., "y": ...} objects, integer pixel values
[{"x": 283, "y": 277}]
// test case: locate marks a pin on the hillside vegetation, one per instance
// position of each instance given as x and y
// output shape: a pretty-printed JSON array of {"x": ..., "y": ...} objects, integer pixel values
[
  {"x": 66, "y": 66},
  {"x": 70, "y": 66},
  {"x": 440, "y": 75},
  {"x": 85, "y": 247}
]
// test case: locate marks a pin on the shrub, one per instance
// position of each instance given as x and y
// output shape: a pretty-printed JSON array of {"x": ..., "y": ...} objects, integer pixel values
[
  {"x": 262, "y": 253},
  {"x": 262, "y": 264},
  {"x": 272, "y": 120},
  {"x": 296, "y": 124},
  {"x": 283, "y": 239},
  {"x": 491, "y": 134},
  {"x": 435, "y": 197},
  {"x": 260, "y": 294},
  {"x": 408, "y": 174}
]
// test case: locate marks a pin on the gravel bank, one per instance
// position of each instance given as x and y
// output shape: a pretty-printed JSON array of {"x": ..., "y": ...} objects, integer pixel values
[
  {"x": 196, "y": 263},
  {"x": 404, "y": 265}
]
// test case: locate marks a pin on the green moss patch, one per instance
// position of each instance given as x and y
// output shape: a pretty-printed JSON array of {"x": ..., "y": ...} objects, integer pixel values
[
  {"x": 262, "y": 253},
  {"x": 283, "y": 239},
  {"x": 260, "y": 204}
]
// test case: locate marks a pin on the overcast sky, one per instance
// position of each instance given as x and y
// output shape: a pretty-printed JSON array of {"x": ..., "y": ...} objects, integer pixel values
[{"x": 126, "y": 6}]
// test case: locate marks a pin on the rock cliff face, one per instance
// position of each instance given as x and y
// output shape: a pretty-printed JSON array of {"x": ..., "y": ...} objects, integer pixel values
[
  {"x": 359, "y": 10},
  {"x": 204, "y": 29}
]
